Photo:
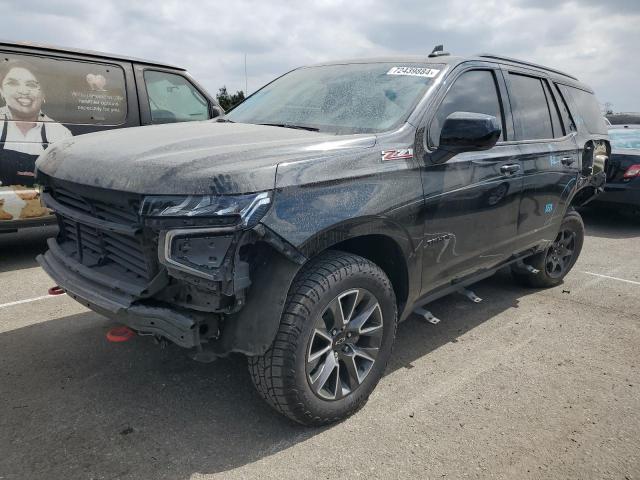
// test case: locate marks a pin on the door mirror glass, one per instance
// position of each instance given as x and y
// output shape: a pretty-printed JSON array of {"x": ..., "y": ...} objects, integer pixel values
[{"x": 467, "y": 132}]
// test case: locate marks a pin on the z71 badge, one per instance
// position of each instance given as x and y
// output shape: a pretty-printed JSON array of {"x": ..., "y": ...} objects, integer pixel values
[{"x": 401, "y": 154}]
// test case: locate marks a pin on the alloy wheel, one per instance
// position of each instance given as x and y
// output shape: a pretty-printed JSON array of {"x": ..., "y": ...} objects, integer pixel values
[
  {"x": 560, "y": 254},
  {"x": 344, "y": 345}
]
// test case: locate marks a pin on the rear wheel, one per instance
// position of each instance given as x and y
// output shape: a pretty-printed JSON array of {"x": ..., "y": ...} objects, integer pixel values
[
  {"x": 559, "y": 258},
  {"x": 333, "y": 343}
]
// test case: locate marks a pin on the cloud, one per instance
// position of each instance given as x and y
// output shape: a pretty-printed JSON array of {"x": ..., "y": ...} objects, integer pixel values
[{"x": 590, "y": 39}]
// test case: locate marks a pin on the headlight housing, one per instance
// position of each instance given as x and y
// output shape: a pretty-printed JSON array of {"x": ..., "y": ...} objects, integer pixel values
[{"x": 247, "y": 209}]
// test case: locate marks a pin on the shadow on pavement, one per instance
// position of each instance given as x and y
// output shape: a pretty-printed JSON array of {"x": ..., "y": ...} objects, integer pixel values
[
  {"x": 73, "y": 405},
  {"x": 19, "y": 250}
]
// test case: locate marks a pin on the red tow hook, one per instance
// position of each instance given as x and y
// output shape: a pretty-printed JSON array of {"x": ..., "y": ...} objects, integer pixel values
[
  {"x": 56, "y": 290},
  {"x": 120, "y": 334}
]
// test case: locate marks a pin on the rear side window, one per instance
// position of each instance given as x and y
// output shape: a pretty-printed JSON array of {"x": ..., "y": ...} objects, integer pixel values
[
  {"x": 564, "y": 112},
  {"x": 172, "y": 98},
  {"x": 558, "y": 128},
  {"x": 475, "y": 91},
  {"x": 531, "y": 110},
  {"x": 588, "y": 109},
  {"x": 43, "y": 89}
]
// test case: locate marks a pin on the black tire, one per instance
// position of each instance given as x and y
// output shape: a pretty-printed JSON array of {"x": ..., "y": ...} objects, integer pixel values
[
  {"x": 283, "y": 375},
  {"x": 550, "y": 274}
]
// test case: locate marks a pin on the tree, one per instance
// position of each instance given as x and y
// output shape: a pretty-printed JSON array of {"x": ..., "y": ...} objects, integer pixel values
[{"x": 227, "y": 101}]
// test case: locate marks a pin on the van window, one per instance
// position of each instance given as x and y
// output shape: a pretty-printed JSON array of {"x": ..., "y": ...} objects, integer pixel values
[
  {"x": 588, "y": 109},
  {"x": 531, "y": 111},
  {"x": 475, "y": 91},
  {"x": 43, "y": 89},
  {"x": 172, "y": 98}
]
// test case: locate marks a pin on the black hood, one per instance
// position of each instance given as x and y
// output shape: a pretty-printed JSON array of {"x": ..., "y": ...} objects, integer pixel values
[{"x": 189, "y": 158}]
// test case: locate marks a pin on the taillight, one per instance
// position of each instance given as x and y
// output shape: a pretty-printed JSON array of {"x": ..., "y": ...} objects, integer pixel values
[{"x": 632, "y": 171}]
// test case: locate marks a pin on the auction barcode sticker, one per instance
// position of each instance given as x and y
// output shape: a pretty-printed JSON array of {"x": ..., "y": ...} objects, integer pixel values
[{"x": 414, "y": 71}]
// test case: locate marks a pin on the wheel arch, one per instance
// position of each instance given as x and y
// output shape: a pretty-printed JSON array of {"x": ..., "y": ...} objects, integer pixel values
[
  {"x": 385, "y": 243},
  {"x": 387, "y": 254},
  {"x": 382, "y": 241}
]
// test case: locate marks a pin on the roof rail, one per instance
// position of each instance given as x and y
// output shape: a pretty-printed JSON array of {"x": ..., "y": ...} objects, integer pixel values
[{"x": 522, "y": 62}]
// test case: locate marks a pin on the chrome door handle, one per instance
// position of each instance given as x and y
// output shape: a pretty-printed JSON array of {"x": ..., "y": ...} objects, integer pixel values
[
  {"x": 567, "y": 161},
  {"x": 509, "y": 169}
]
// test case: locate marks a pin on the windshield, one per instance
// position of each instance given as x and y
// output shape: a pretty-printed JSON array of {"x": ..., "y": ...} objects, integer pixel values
[
  {"x": 341, "y": 99},
  {"x": 625, "y": 138}
]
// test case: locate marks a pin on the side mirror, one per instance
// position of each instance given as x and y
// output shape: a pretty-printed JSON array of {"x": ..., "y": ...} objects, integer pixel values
[{"x": 467, "y": 132}]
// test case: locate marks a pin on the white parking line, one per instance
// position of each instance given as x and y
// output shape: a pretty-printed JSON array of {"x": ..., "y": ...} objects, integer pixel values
[
  {"x": 613, "y": 278},
  {"x": 27, "y": 300}
]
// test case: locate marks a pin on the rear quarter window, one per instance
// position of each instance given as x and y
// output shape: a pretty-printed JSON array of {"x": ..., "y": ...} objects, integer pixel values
[
  {"x": 61, "y": 90},
  {"x": 588, "y": 109}
]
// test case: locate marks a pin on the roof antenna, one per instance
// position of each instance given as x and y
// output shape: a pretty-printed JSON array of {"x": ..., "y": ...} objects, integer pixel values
[{"x": 438, "y": 51}]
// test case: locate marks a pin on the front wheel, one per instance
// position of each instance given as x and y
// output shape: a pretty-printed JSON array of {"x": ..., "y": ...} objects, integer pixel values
[
  {"x": 334, "y": 341},
  {"x": 559, "y": 258}
]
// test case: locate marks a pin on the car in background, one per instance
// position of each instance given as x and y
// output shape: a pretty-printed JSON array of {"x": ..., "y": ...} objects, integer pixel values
[
  {"x": 622, "y": 189},
  {"x": 51, "y": 94},
  {"x": 623, "y": 118}
]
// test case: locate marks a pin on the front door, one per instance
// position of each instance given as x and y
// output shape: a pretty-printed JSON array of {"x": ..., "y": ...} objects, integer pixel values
[{"x": 472, "y": 200}]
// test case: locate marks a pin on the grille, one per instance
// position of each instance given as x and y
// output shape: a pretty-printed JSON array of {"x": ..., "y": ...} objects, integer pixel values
[
  {"x": 96, "y": 247},
  {"x": 110, "y": 212}
]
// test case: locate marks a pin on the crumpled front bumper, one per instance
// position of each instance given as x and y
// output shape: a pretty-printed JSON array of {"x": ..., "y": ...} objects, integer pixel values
[{"x": 120, "y": 301}]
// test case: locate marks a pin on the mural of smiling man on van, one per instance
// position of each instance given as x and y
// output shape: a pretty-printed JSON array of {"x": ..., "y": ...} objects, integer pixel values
[{"x": 26, "y": 131}]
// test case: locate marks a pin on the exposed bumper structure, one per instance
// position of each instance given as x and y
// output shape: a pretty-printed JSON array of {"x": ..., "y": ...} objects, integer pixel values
[{"x": 119, "y": 301}]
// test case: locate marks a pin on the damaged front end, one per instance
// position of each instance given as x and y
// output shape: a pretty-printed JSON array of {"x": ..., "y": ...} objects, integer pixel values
[{"x": 195, "y": 270}]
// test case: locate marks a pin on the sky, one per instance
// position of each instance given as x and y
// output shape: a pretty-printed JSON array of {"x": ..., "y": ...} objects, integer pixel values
[{"x": 597, "y": 41}]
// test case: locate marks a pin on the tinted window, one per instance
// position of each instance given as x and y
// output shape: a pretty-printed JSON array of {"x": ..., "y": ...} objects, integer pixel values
[
  {"x": 564, "y": 112},
  {"x": 588, "y": 109},
  {"x": 531, "y": 111},
  {"x": 558, "y": 128},
  {"x": 172, "y": 98},
  {"x": 51, "y": 90},
  {"x": 341, "y": 99},
  {"x": 476, "y": 92}
]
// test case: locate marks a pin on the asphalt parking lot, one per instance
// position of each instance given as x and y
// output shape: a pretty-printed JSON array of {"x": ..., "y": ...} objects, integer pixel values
[{"x": 526, "y": 384}]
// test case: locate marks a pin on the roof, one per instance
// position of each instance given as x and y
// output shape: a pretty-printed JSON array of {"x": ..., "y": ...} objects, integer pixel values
[
  {"x": 450, "y": 60},
  {"x": 85, "y": 53}
]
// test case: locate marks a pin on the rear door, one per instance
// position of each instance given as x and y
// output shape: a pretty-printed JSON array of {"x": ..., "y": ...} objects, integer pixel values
[
  {"x": 548, "y": 154},
  {"x": 472, "y": 200}
]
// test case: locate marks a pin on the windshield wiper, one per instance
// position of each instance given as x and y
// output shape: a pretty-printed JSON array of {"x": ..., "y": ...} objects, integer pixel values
[
  {"x": 289, "y": 125},
  {"x": 224, "y": 120}
]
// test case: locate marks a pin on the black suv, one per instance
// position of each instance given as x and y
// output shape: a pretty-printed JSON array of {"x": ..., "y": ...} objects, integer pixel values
[{"x": 303, "y": 226}]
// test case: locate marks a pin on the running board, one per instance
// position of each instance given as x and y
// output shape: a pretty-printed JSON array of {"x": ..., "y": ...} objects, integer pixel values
[
  {"x": 427, "y": 315},
  {"x": 522, "y": 267},
  {"x": 459, "y": 285},
  {"x": 470, "y": 295}
]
